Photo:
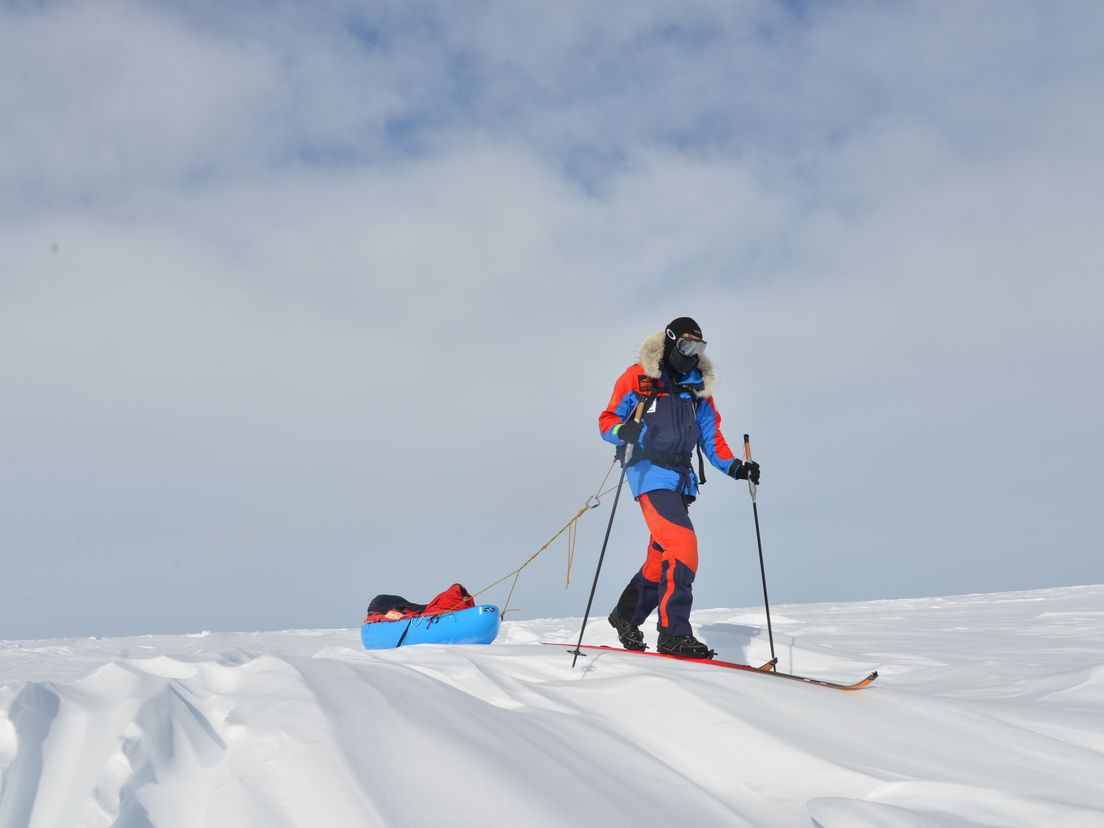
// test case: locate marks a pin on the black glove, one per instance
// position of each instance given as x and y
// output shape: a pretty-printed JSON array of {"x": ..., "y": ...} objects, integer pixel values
[
  {"x": 629, "y": 431},
  {"x": 745, "y": 471}
]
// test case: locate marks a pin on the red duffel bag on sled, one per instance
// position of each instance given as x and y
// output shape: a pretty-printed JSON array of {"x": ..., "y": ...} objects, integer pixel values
[{"x": 452, "y": 617}]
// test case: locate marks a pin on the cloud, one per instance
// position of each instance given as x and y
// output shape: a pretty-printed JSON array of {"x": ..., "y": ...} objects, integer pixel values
[
  {"x": 326, "y": 301},
  {"x": 109, "y": 99}
]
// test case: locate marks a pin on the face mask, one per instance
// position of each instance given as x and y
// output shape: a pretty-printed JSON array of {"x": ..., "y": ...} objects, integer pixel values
[{"x": 681, "y": 362}]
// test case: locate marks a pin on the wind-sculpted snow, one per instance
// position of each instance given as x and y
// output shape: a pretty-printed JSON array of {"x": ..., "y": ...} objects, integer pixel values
[{"x": 989, "y": 712}]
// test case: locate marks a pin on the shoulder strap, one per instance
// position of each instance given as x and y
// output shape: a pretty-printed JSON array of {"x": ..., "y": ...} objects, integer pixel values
[{"x": 701, "y": 460}]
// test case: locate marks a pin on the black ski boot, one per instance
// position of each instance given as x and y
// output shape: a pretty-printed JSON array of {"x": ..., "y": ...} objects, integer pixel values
[
  {"x": 684, "y": 646},
  {"x": 630, "y": 636}
]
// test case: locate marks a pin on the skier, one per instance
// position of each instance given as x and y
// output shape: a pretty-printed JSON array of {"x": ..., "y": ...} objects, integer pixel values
[{"x": 674, "y": 379}]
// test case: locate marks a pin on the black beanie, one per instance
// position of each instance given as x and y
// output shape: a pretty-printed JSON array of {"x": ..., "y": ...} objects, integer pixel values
[
  {"x": 683, "y": 325},
  {"x": 675, "y": 330}
]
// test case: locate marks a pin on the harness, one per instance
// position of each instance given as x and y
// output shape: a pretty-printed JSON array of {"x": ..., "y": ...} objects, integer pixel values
[{"x": 663, "y": 458}]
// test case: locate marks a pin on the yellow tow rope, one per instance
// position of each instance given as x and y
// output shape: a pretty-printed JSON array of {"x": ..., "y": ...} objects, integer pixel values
[{"x": 571, "y": 527}]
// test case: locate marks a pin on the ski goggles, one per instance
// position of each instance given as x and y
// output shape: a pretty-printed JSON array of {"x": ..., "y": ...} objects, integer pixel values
[{"x": 690, "y": 347}]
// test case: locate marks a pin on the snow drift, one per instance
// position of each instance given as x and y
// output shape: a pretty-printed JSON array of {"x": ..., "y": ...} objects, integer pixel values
[{"x": 989, "y": 712}]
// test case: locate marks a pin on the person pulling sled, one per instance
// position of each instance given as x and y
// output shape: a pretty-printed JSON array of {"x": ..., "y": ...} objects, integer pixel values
[{"x": 674, "y": 380}]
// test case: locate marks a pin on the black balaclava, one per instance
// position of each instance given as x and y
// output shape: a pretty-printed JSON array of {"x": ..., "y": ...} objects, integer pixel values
[{"x": 675, "y": 360}]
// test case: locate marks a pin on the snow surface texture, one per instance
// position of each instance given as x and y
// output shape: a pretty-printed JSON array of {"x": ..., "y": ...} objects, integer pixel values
[{"x": 988, "y": 712}]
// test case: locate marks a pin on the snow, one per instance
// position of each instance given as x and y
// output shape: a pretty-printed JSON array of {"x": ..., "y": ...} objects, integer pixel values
[{"x": 989, "y": 712}]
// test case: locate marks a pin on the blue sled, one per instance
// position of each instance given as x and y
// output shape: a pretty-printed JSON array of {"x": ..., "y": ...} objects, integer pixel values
[{"x": 474, "y": 625}]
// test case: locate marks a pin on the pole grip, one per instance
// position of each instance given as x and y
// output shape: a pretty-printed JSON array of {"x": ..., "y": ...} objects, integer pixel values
[
  {"x": 747, "y": 448},
  {"x": 636, "y": 415}
]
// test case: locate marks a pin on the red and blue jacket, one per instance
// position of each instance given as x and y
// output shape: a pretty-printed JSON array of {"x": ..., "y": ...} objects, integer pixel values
[{"x": 680, "y": 415}]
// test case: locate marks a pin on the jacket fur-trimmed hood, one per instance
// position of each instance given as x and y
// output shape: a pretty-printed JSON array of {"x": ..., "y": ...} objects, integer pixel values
[{"x": 651, "y": 353}]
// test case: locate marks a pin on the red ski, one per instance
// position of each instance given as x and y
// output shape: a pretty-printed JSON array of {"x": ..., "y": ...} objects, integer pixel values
[{"x": 767, "y": 669}]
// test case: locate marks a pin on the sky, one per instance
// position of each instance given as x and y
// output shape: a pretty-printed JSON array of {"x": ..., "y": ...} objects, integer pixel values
[{"x": 324, "y": 299}]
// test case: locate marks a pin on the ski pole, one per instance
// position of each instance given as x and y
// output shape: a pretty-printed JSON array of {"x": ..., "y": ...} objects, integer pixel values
[
  {"x": 609, "y": 526},
  {"x": 759, "y": 541}
]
